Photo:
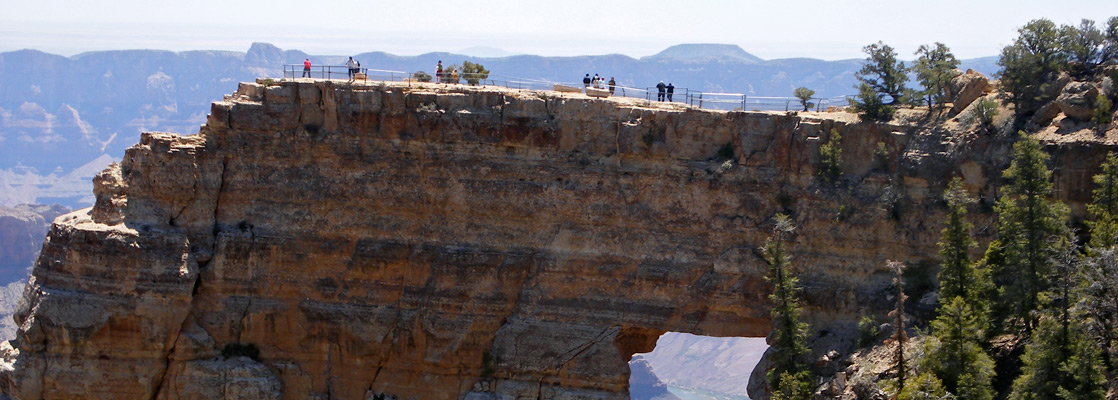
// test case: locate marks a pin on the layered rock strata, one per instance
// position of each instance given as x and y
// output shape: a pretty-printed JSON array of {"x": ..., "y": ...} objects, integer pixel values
[{"x": 318, "y": 240}]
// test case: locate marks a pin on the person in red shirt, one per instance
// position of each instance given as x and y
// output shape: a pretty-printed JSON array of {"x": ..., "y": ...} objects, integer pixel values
[{"x": 307, "y": 68}]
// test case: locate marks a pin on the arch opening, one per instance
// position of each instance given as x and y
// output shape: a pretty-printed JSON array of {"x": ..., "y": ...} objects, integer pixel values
[{"x": 683, "y": 366}]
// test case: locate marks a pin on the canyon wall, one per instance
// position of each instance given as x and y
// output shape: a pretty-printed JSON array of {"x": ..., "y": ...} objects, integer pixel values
[{"x": 321, "y": 240}]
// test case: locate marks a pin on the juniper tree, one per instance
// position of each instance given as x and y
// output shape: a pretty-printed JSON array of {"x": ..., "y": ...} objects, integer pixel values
[
  {"x": 473, "y": 73},
  {"x": 1029, "y": 65},
  {"x": 804, "y": 94},
  {"x": 883, "y": 73},
  {"x": 869, "y": 106},
  {"x": 1083, "y": 46},
  {"x": 934, "y": 68},
  {"x": 1021, "y": 257},
  {"x": 789, "y": 334}
]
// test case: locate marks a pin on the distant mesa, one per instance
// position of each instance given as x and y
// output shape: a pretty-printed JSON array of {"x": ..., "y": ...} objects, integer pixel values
[{"x": 704, "y": 53}]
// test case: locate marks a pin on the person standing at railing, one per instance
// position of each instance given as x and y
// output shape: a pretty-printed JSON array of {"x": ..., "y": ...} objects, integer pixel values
[
  {"x": 612, "y": 84},
  {"x": 660, "y": 91},
  {"x": 586, "y": 81},
  {"x": 307, "y": 68},
  {"x": 439, "y": 72},
  {"x": 352, "y": 66},
  {"x": 671, "y": 89},
  {"x": 454, "y": 76}
]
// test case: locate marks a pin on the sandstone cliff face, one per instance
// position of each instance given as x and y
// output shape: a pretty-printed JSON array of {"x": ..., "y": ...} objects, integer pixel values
[{"x": 434, "y": 243}]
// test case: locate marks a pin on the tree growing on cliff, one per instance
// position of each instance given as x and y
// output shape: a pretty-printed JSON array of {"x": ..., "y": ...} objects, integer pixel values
[
  {"x": 1104, "y": 205},
  {"x": 900, "y": 336},
  {"x": 1030, "y": 64},
  {"x": 954, "y": 351},
  {"x": 958, "y": 275},
  {"x": 869, "y": 105},
  {"x": 934, "y": 68},
  {"x": 474, "y": 73},
  {"x": 789, "y": 334},
  {"x": 1083, "y": 46},
  {"x": 883, "y": 73},
  {"x": 804, "y": 94},
  {"x": 830, "y": 158},
  {"x": 1029, "y": 226}
]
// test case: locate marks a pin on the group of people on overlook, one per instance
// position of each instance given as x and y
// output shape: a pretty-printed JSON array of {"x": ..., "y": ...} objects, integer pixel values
[
  {"x": 441, "y": 76},
  {"x": 599, "y": 82},
  {"x": 353, "y": 67}
]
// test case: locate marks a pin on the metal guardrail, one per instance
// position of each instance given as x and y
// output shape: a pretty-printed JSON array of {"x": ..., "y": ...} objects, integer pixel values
[{"x": 683, "y": 96}]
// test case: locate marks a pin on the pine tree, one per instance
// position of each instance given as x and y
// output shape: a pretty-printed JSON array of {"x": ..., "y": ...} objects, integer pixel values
[
  {"x": 1104, "y": 206},
  {"x": 789, "y": 335},
  {"x": 1098, "y": 299},
  {"x": 925, "y": 387},
  {"x": 954, "y": 352},
  {"x": 1059, "y": 363},
  {"x": 900, "y": 336},
  {"x": 1060, "y": 360},
  {"x": 1028, "y": 223},
  {"x": 958, "y": 275}
]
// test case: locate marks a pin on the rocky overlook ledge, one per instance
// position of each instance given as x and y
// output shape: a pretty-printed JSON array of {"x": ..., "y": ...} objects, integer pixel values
[{"x": 319, "y": 240}]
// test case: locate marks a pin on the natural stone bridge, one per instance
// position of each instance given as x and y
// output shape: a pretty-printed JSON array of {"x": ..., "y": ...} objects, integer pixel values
[{"x": 434, "y": 243}]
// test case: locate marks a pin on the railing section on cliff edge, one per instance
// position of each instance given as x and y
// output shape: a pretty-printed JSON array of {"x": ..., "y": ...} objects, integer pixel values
[{"x": 685, "y": 96}]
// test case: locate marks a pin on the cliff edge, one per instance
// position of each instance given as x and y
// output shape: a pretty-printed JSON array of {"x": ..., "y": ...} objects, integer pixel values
[{"x": 322, "y": 240}]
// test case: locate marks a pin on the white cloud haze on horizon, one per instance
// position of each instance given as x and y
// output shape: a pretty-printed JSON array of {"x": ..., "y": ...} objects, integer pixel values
[{"x": 817, "y": 29}]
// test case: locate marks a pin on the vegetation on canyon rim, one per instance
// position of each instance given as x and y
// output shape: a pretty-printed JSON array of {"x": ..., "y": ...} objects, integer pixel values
[{"x": 1038, "y": 290}]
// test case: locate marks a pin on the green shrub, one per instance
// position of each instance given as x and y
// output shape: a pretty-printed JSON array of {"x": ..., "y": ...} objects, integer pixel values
[
  {"x": 983, "y": 113},
  {"x": 1102, "y": 111},
  {"x": 474, "y": 73},
  {"x": 868, "y": 330},
  {"x": 869, "y": 106},
  {"x": 420, "y": 76},
  {"x": 881, "y": 157},
  {"x": 830, "y": 158}
]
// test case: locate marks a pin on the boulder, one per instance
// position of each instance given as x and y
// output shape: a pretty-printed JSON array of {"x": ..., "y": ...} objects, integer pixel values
[
  {"x": 965, "y": 88},
  {"x": 1077, "y": 100},
  {"x": 1045, "y": 114}
]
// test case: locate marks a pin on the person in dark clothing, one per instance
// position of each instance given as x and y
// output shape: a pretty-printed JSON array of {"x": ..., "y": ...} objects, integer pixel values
[
  {"x": 612, "y": 83},
  {"x": 586, "y": 81},
  {"x": 671, "y": 89},
  {"x": 660, "y": 91}
]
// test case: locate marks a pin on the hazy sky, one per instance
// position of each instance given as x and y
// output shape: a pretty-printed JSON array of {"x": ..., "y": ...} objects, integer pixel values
[{"x": 769, "y": 29}]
